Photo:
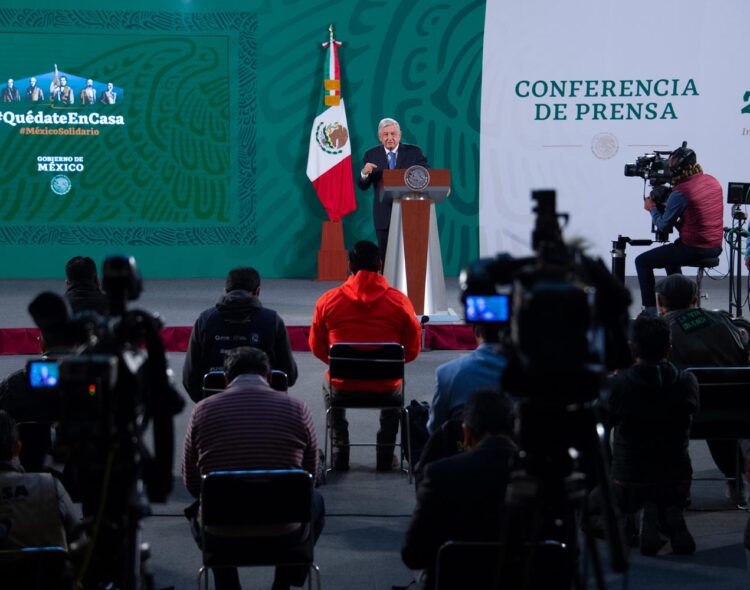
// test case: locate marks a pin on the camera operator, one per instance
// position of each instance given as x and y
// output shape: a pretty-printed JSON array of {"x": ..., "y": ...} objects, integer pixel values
[
  {"x": 106, "y": 397},
  {"x": 695, "y": 208},
  {"x": 82, "y": 289}
]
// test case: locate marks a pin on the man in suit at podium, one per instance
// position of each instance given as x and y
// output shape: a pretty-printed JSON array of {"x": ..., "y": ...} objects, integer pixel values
[{"x": 391, "y": 154}]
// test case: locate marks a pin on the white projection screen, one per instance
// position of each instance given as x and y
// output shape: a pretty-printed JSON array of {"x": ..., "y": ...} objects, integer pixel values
[{"x": 572, "y": 91}]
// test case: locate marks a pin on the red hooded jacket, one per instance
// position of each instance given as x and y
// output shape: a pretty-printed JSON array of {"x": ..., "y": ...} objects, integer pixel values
[{"x": 364, "y": 309}]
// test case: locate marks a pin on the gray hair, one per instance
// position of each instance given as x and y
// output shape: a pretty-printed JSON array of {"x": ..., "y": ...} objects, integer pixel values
[{"x": 387, "y": 122}]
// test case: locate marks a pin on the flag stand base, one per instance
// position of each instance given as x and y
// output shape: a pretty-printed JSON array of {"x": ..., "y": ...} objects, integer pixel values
[{"x": 332, "y": 263}]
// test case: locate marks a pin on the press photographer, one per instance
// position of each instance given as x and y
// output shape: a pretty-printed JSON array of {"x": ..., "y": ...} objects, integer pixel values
[{"x": 694, "y": 207}]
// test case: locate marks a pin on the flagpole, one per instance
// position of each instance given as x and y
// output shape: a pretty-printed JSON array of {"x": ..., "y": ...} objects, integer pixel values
[{"x": 335, "y": 186}]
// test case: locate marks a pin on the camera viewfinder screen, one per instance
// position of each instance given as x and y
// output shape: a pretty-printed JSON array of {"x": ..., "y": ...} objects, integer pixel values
[
  {"x": 487, "y": 308},
  {"x": 43, "y": 374},
  {"x": 738, "y": 193}
]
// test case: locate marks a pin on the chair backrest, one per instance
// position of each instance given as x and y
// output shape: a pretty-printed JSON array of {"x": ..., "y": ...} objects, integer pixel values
[
  {"x": 489, "y": 566},
  {"x": 279, "y": 380},
  {"x": 214, "y": 382},
  {"x": 366, "y": 360},
  {"x": 256, "y": 498},
  {"x": 34, "y": 568},
  {"x": 724, "y": 403}
]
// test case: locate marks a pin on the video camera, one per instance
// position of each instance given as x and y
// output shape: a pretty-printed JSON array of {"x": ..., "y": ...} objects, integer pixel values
[
  {"x": 104, "y": 397},
  {"x": 563, "y": 311},
  {"x": 654, "y": 168}
]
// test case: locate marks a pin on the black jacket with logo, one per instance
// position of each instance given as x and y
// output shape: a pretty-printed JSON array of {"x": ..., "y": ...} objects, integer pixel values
[
  {"x": 704, "y": 338},
  {"x": 238, "y": 319}
]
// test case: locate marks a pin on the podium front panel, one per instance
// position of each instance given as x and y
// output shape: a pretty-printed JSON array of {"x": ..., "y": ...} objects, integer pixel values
[{"x": 394, "y": 267}]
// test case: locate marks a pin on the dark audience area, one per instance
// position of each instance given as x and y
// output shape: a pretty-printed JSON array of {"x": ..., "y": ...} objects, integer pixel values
[{"x": 510, "y": 519}]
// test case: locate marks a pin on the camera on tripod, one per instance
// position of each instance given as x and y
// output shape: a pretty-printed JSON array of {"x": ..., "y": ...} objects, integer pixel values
[
  {"x": 565, "y": 317},
  {"x": 564, "y": 312},
  {"x": 104, "y": 396},
  {"x": 73, "y": 392}
]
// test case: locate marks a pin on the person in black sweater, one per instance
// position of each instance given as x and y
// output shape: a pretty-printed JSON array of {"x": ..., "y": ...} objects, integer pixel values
[
  {"x": 461, "y": 498},
  {"x": 82, "y": 288},
  {"x": 651, "y": 406},
  {"x": 237, "y": 319}
]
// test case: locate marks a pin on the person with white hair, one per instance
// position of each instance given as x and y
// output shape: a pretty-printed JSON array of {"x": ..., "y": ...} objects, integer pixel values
[
  {"x": 10, "y": 92},
  {"x": 88, "y": 94},
  {"x": 34, "y": 93},
  {"x": 390, "y": 154}
]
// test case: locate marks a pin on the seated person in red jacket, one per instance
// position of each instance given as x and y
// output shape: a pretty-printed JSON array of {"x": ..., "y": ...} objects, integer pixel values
[
  {"x": 651, "y": 406},
  {"x": 364, "y": 309}
]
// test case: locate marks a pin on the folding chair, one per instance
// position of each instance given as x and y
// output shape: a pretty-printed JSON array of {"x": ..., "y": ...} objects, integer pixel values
[
  {"x": 493, "y": 565},
  {"x": 214, "y": 382},
  {"x": 35, "y": 568},
  {"x": 724, "y": 410},
  {"x": 257, "y": 518},
  {"x": 367, "y": 361}
]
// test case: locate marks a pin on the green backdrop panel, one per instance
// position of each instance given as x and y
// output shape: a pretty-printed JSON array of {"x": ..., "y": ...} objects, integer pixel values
[
  {"x": 207, "y": 169},
  {"x": 165, "y": 157}
]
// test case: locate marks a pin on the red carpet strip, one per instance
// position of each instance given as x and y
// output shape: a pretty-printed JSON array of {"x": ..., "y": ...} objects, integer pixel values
[{"x": 437, "y": 337}]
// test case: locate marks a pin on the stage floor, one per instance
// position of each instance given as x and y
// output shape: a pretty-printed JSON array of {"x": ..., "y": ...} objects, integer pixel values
[{"x": 180, "y": 301}]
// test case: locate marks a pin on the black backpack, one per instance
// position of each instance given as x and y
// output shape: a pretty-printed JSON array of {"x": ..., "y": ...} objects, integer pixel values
[{"x": 418, "y": 413}]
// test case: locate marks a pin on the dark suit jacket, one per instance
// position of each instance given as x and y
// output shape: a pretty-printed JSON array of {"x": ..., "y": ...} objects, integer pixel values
[
  {"x": 408, "y": 155},
  {"x": 461, "y": 499}
]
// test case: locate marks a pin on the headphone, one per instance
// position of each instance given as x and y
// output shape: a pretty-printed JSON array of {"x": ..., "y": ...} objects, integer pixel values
[{"x": 681, "y": 159}]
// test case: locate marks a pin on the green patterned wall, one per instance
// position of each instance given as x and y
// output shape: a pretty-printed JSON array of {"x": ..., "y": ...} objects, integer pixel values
[{"x": 209, "y": 171}]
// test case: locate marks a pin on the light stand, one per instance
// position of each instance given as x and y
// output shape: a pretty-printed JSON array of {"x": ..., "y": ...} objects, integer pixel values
[{"x": 734, "y": 238}]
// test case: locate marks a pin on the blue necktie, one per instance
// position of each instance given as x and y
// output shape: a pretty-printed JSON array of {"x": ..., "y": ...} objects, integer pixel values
[{"x": 391, "y": 160}]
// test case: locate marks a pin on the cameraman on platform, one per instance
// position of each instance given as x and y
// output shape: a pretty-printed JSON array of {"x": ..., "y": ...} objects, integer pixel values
[{"x": 695, "y": 208}]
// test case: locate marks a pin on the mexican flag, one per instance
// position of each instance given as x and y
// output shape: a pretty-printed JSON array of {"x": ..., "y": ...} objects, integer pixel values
[{"x": 329, "y": 161}]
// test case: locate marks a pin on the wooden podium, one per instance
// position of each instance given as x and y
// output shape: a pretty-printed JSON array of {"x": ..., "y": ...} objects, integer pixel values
[{"x": 413, "y": 263}]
